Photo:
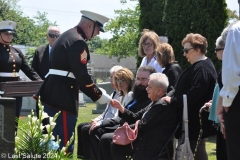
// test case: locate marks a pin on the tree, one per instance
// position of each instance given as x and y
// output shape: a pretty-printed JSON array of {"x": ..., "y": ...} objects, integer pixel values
[
  {"x": 125, "y": 32},
  {"x": 96, "y": 43},
  {"x": 29, "y": 31},
  {"x": 205, "y": 17},
  {"x": 232, "y": 15}
]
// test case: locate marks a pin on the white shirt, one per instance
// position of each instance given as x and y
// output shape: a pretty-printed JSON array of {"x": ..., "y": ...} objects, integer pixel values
[
  {"x": 109, "y": 112},
  {"x": 153, "y": 63},
  {"x": 50, "y": 48},
  {"x": 231, "y": 66}
]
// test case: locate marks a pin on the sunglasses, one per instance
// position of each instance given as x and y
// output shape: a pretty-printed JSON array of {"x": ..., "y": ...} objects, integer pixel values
[
  {"x": 185, "y": 50},
  {"x": 218, "y": 49},
  {"x": 53, "y": 35}
]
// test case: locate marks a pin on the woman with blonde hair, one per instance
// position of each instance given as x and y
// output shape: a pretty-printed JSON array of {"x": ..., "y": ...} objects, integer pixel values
[{"x": 147, "y": 49}]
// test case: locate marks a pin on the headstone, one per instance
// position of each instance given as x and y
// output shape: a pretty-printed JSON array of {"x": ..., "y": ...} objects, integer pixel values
[
  {"x": 101, "y": 107},
  {"x": 82, "y": 103},
  {"x": 28, "y": 104},
  {"x": 7, "y": 127}
]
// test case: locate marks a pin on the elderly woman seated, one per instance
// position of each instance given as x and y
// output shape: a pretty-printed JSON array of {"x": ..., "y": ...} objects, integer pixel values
[{"x": 157, "y": 123}]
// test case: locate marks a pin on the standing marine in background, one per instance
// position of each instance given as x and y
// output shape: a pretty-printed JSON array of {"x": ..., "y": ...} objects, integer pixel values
[{"x": 12, "y": 60}]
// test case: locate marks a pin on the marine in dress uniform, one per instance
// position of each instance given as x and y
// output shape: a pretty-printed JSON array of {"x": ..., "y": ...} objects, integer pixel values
[
  {"x": 12, "y": 60},
  {"x": 68, "y": 73}
]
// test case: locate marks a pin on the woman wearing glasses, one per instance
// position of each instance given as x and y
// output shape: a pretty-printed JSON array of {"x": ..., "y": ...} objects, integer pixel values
[
  {"x": 12, "y": 60},
  {"x": 197, "y": 82},
  {"x": 166, "y": 58},
  {"x": 123, "y": 80},
  {"x": 147, "y": 49}
]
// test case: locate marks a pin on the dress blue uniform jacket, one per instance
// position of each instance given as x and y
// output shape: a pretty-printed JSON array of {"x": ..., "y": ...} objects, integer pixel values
[{"x": 69, "y": 53}]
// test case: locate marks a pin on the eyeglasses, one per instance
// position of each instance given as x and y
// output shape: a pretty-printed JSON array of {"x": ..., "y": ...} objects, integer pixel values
[
  {"x": 120, "y": 80},
  {"x": 218, "y": 49},
  {"x": 141, "y": 79},
  {"x": 185, "y": 50},
  {"x": 147, "y": 44},
  {"x": 53, "y": 35}
]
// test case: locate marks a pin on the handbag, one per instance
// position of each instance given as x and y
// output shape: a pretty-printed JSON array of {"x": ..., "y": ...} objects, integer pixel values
[
  {"x": 183, "y": 150},
  {"x": 125, "y": 135}
]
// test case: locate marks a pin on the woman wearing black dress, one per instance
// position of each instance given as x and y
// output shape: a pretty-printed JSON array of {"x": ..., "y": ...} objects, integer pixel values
[{"x": 197, "y": 82}]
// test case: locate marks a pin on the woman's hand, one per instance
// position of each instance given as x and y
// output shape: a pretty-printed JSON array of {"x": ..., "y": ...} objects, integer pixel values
[
  {"x": 166, "y": 99},
  {"x": 116, "y": 104},
  {"x": 94, "y": 125},
  {"x": 207, "y": 106}
]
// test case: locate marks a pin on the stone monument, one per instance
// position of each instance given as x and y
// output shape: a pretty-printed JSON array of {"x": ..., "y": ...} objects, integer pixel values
[{"x": 7, "y": 126}]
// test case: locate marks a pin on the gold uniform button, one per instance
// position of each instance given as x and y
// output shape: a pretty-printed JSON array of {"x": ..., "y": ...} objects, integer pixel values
[
  {"x": 14, "y": 70},
  {"x": 7, "y": 49},
  {"x": 14, "y": 65},
  {"x": 71, "y": 86},
  {"x": 13, "y": 60}
]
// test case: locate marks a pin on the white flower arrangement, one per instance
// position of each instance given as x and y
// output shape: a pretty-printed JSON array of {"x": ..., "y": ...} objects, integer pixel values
[{"x": 31, "y": 143}]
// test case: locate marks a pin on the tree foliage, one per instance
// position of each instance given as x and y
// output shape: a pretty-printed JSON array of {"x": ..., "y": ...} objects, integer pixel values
[
  {"x": 171, "y": 18},
  {"x": 29, "y": 31},
  {"x": 232, "y": 15},
  {"x": 205, "y": 17},
  {"x": 125, "y": 32}
]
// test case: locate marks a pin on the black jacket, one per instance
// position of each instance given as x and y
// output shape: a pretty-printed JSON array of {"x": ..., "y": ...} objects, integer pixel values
[
  {"x": 197, "y": 82},
  {"x": 12, "y": 60},
  {"x": 172, "y": 71},
  {"x": 69, "y": 53},
  {"x": 40, "y": 61},
  {"x": 154, "y": 129}
]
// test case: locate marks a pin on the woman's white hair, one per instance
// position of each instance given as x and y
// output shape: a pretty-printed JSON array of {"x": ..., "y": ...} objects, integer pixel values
[
  {"x": 163, "y": 39},
  {"x": 160, "y": 80},
  {"x": 115, "y": 68}
]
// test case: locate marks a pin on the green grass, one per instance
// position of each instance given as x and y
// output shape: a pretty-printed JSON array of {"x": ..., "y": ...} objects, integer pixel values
[{"x": 85, "y": 115}]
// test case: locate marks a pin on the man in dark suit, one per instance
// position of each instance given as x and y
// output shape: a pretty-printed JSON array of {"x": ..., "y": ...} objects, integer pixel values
[{"x": 40, "y": 61}]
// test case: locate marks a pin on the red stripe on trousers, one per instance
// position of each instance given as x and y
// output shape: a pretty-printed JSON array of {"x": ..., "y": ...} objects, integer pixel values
[{"x": 65, "y": 131}]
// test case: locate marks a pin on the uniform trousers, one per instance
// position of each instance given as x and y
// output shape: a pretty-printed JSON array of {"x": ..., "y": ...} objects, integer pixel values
[
  {"x": 65, "y": 126},
  {"x": 83, "y": 150},
  {"x": 232, "y": 122}
]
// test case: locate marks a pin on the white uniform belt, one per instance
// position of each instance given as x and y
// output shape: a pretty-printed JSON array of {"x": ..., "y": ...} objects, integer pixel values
[
  {"x": 9, "y": 74},
  {"x": 60, "y": 73}
]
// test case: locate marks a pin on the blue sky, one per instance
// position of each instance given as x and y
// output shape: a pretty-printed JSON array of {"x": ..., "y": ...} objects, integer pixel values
[{"x": 67, "y": 12}]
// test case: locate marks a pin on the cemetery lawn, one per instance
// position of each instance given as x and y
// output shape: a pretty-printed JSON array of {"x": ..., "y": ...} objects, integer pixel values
[{"x": 85, "y": 115}]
